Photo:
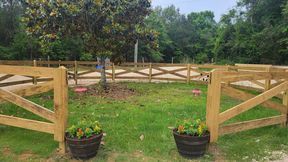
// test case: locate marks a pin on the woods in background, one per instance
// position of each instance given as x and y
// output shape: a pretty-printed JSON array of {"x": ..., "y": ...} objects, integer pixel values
[{"x": 254, "y": 31}]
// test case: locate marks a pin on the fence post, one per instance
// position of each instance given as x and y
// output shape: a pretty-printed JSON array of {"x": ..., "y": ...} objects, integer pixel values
[
  {"x": 150, "y": 72},
  {"x": 48, "y": 59},
  {"x": 60, "y": 106},
  {"x": 59, "y": 64},
  {"x": 75, "y": 72},
  {"x": 34, "y": 78},
  {"x": 113, "y": 72},
  {"x": 213, "y": 104},
  {"x": 268, "y": 81},
  {"x": 285, "y": 102},
  {"x": 188, "y": 73}
]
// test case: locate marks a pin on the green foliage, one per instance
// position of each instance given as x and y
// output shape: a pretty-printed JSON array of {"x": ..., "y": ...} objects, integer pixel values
[
  {"x": 183, "y": 36},
  {"x": 192, "y": 127},
  {"x": 86, "y": 57},
  {"x": 99, "y": 24},
  {"x": 84, "y": 129},
  {"x": 254, "y": 32}
]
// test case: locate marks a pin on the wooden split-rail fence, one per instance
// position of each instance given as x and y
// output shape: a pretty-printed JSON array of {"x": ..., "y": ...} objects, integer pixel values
[
  {"x": 54, "y": 79},
  {"x": 270, "y": 81},
  {"x": 274, "y": 84}
]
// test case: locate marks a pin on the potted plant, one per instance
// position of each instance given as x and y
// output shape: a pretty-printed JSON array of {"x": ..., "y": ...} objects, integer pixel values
[
  {"x": 191, "y": 137},
  {"x": 84, "y": 138}
]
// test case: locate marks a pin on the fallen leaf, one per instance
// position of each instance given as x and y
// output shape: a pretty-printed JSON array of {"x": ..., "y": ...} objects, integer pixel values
[
  {"x": 171, "y": 128},
  {"x": 142, "y": 137}
]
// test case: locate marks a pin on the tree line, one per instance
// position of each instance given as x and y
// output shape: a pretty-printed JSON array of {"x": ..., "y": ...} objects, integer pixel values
[{"x": 254, "y": 31}]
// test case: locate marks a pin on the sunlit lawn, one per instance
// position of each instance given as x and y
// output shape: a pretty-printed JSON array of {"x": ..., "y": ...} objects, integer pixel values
[{"x": 150, "y": 112}]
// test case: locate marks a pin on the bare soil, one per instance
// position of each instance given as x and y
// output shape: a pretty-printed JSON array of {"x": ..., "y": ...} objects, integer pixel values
[{"x": 113, "y": 91}]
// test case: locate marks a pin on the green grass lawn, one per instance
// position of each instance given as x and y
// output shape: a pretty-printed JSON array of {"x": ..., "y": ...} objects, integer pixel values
[{"x": 150, "y": 112}]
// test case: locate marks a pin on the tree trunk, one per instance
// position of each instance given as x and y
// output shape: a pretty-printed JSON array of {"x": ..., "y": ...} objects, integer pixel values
[{"x": 103, "y": 81}]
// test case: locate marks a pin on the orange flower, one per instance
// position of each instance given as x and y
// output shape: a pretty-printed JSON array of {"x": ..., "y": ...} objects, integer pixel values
[
  {"x": 80, "y": 133},
  {"x": 180, "y": 129}
]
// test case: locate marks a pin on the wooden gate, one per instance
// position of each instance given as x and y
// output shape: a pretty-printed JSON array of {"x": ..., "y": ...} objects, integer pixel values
[
  {"x": 57, "y": 118},
  {"x": 224, "y": 80}
]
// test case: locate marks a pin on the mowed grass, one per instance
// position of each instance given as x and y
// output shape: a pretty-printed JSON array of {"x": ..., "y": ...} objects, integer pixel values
[{"x": 150, "y": 112}]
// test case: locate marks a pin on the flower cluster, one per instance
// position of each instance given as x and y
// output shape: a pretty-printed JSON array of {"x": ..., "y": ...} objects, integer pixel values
[
  {"x": 192, "y": 127},
  {"x": 84, "y": 129}
]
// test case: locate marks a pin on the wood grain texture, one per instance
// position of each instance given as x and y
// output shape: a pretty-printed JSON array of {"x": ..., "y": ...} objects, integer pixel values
[
  {"x": 27, "y": 105},
  {"x": 27, "y": 124},
  {"x": 252, "y": 124},
  {"x": 247, "y": 105}
]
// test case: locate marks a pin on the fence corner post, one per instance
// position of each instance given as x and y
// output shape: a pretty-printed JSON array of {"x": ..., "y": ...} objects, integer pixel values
[
  {"x": 268, "y": 81},
  {"x": 188, "y": 73},
  {"x": 285, "y": 102},
  {"x": 76, "y": 72},
  {"x": 213, "y": 104},
  {"x": 150, "y": 72},
  {"x": 60, "y": 106}
]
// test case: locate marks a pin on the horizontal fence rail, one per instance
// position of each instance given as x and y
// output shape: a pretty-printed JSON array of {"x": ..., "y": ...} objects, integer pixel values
[{"x": 83, "y": 71}]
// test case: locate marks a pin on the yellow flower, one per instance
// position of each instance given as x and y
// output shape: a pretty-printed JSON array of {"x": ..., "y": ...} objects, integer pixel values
[
  {"x": 97, "y": 128},
  {"x": 87, "y": 129},
  {"x": 200, "y": 130}
]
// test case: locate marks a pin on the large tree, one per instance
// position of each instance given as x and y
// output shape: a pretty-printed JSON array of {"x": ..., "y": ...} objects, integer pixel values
[
  {"x": 255, "y": 31},
  {"x": 105, "y": 26}
]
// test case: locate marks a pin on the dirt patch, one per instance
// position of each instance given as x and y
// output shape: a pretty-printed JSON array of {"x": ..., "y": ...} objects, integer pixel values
[
  {"x": 114, "y": 91},
  {"x": 216, "y": 152},
  {"x": 25, "y": 156},
  {"x": 6, "y": 151}
]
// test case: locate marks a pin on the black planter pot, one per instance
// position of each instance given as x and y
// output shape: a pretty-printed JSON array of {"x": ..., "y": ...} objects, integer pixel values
[
  {"x": 84, "y": 148},
  {"x": 191, "y": 146}
]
